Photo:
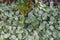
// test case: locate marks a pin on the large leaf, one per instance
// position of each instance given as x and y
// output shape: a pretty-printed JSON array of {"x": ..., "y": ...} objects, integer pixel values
[{"x": 25, "y": 6}]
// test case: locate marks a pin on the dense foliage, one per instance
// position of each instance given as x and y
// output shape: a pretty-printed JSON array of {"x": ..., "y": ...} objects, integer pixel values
[{"x": 42, "y": 23}]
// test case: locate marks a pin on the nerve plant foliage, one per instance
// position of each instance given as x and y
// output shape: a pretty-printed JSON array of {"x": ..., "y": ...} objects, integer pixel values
[{"x": 43, "y": 23}]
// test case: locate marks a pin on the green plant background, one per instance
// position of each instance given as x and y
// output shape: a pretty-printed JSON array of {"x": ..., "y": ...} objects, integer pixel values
[{"x": 42, "y": 23}]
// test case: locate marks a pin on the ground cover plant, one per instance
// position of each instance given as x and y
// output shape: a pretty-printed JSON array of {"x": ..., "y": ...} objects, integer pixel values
[{"x": 42, "y": 23}]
